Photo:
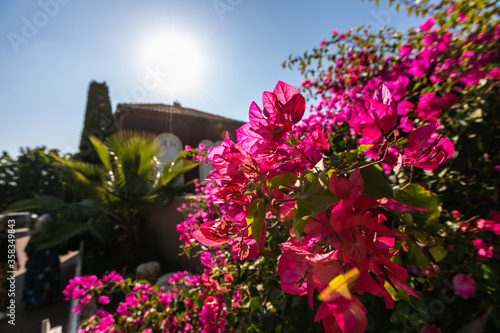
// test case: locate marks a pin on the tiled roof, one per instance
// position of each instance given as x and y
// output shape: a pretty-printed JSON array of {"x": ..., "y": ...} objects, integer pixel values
[{"x": 175, "y": 109}]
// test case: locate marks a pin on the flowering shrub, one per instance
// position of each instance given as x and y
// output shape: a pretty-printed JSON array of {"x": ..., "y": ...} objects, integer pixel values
[
  {"x": 442, "y": 75},
  {"x": 379, "y": 204},
  {"x": 270, "y": 172},
  {"x": 228, "y": 296}
]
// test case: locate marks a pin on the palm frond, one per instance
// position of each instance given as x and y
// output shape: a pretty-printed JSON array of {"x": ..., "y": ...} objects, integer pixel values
[
  {"x": 173, "y": 170},
  {"x": 56, "y": 232},
  {"x": 45, "y": 203},
  {"x": 102, "y": 151},
  {"x": 135, "y": 159},
  {"x": 87, "y": 173}
]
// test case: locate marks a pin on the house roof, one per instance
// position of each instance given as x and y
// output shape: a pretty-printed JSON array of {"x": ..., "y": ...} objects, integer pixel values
[{"x": 174, "y": 109}]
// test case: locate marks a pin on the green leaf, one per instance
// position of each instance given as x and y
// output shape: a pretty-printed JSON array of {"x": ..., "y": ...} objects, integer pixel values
[
  {"x": 255, "y": 219},
  {"x": 438, "y": 252},
  {"x": 375, "y": 185},
  {"x": 85, "y": 172},
  {"x": 231, "y": 319},
  {"x": 487, "y": 271},
  {"x": 363, "y": 148},
  {"x": 424, "y": 238},
  {"x": 416, "y": 256},
  {"x": 300, "y": 219},
  {"x": 397, "y": 295},
  {"x": 351, "y": 155},
  {"x": 173, "y": 170},
  {"x": 416, "y": 196},
  {"x": 316, "y": 195},
  {"x": 135, "y": 156},
  {"x": 255, "y": 303},
  {"x": 285, "y": 179},
  {"x": 335, "y": 159},
  {"x": 102, "y": 151}
]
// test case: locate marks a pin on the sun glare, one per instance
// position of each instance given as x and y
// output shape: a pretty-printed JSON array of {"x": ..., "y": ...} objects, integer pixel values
[{"x": 175, "y": 59}]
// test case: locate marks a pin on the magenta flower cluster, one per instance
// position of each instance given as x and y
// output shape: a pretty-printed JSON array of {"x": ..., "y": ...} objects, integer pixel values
[
  {"x": 146, "y": 308},
  {"x": 268, "y": 149}
]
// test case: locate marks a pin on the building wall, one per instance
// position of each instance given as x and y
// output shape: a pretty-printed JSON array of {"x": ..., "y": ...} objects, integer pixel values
[{"x": 162, "y": 236}]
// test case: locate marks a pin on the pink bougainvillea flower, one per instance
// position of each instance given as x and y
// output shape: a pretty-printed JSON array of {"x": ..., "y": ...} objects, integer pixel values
[
  {"x": 86, "y": 299},
  {"x": 104, "y": 300},
  {"x": 427, "y": 25},
  {"x": 495, "y": 215},
  {"x": 404, "y": 107},
  {"x": 418, "y": 67},
  {"x": 472, "y": 77},
  {"x": 347, "y": 189},
  {"x": 246, "y": 248},
  {"x": 398, "y": 86},
  {"x": 78, "y": 308},
  {"x": 483, "y": 251},
  {"x": 396, "y": 206},
  {"x": 113, "y": 277},
  {"x": 464, "y": 285},
  {"x": 406, "y": 124},
  {"x": 268, "y": 128},
  {"x": 374, "y": 117},
  {"x": 426, "y": 149},
  {"x": 394, "y": 274},
  {"x": 448, "y": 100},
  {"x": 494, "y": 74},
  {"x": 232, "y": 163},
  {"x": 292, "y": 268},
  {"x": 462, "y": 18},
  {"x": 214, "y": 233},
  {"x": 430, "y": 105},
  {"x": 342, "y": 315},
  {"x": 430, "y": 38},
  {"x": 290, "y": 103},
  {"x": 405, "y": 50},
  {"x": 484, "y": 225}
]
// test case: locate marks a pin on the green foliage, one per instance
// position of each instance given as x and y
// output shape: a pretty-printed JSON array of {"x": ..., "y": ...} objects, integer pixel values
[
  {"x": 121, "y": 191},
  {"x": 315, "y": 194},
  {"x": 300, "y": 219},
  {"x": 255, "y": 219},
  {"x": 314, "y": 197},
  {"x": 32, "y": 174},
  {"x": 130, "y": 183},
  {"x": 70, "y": 222},
  {"x": 417, "y": 196},
  {"x": 376, "y": 186}
]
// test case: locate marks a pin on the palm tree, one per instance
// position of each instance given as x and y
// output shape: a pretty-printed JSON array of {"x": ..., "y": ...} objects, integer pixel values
[{"x": 121, "y": 192}]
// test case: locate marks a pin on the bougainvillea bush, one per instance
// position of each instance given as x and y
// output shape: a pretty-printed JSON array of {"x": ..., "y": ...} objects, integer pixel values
[
  {"x": 228, "y": 296},
  {"x": 376, "y": 212}
]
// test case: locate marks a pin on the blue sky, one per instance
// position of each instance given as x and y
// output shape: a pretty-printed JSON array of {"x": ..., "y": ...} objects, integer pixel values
[{"x": 52, "y": 49}]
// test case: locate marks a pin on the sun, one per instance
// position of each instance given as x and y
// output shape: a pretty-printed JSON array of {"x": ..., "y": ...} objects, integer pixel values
[{"x": 175, "y": 59}]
